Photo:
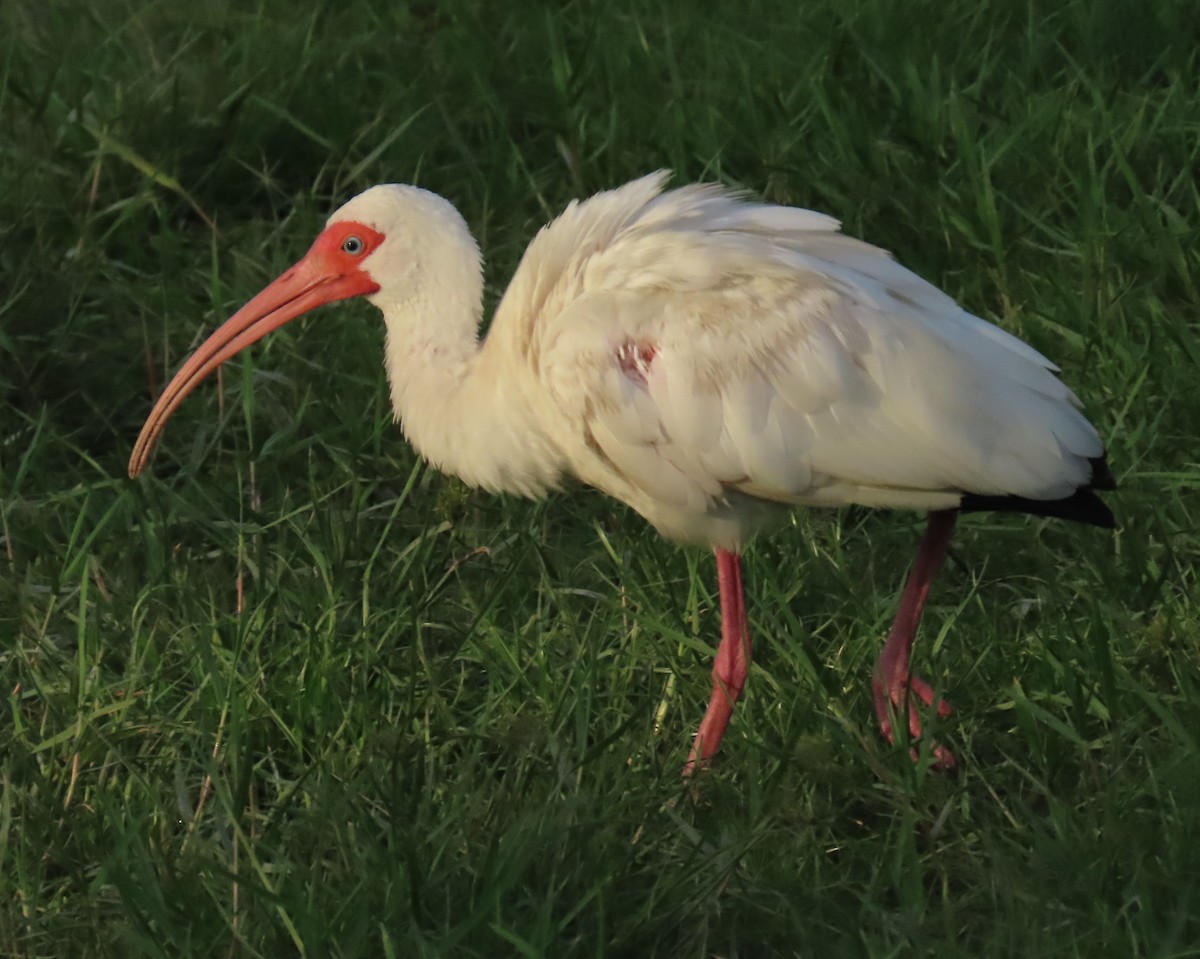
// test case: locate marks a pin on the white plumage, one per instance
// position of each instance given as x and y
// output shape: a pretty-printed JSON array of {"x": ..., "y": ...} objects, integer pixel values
[
  {"x": 708, "y": 360},
  {"x": 792, "y": 364}
]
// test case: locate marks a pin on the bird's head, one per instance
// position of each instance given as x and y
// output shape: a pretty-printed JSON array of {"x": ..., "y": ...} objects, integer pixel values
[{"x": 369, "y": 245}]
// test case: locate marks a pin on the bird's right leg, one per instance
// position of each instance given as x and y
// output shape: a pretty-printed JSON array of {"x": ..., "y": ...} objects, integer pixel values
[
  {"x": 731, "y": 665},
  {"x": 892, "y": 683}
]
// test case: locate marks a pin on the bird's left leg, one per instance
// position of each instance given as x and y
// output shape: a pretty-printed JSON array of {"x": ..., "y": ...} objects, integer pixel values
[
  {"x": 731, "y": 665},
  {"x": 892, "y": 683}
]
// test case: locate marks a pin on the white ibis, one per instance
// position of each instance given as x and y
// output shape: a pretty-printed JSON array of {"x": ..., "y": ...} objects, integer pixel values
[{"x": 710, "y": 361}]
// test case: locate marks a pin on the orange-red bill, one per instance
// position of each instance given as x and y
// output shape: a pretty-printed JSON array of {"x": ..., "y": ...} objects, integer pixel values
[{"x": 327, "y": 273}]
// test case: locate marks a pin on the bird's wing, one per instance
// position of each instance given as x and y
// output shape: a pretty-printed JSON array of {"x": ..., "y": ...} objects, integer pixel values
[{"x": 695, "y": 347}]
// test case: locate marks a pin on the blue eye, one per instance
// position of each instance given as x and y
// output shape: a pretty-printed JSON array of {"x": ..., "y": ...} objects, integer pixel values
[{"x": 353, "y": 245}]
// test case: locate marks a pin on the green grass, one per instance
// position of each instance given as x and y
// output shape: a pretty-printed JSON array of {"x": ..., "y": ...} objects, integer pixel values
[{"x": 448, "y": 724}]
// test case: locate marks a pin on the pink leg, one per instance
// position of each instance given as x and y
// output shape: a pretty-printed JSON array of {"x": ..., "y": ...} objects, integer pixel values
[
  {"x": 891, "y": 682},
  {"x": 732, "y": 663}
]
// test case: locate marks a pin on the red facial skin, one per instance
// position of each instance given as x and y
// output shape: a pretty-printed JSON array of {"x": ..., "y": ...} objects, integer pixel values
[{"x": 330, "y": 271}]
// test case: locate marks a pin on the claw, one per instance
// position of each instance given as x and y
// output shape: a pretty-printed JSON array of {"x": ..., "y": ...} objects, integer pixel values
[{"x": 890, "y": 702}]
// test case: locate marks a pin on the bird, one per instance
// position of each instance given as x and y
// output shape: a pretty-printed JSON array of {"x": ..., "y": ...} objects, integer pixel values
[{"x": 712, "y": 361}]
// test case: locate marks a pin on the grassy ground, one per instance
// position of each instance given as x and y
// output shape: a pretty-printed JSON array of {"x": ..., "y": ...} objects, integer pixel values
[{"x": 294, "y": 694}]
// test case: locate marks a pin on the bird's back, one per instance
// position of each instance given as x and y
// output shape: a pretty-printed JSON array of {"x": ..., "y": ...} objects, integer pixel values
[{"x": 698, "y": 356}]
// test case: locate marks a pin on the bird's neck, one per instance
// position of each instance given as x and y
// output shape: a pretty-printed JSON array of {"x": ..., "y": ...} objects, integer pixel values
[{"x": 462, "y": 403}]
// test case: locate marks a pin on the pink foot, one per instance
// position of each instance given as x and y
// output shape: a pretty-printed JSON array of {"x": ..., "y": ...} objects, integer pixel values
[{"x": 904, "y": 694}]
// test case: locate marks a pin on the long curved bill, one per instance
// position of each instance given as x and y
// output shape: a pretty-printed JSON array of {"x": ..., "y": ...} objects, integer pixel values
[{"x": 312, "y": 282}]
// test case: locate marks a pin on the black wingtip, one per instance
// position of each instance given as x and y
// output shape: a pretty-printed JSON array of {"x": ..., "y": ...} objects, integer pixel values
[
  {"x": 1082, "y": 506},
  {"x": 1102, "y": 477}
]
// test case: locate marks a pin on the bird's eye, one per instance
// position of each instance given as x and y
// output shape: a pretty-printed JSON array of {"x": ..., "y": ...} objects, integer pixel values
[{"x": 353, "y": 245}]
